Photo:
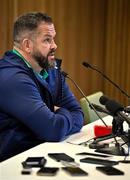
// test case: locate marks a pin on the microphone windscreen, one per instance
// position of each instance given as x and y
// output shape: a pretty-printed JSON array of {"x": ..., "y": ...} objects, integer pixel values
[
  {"x": 114, "y": 106},
  {"x": 103, "y": 100},
  {"x": 86, "y": 64}
]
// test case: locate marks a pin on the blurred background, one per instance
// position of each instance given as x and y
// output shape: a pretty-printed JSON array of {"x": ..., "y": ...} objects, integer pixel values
[{"x": 95, "y": 31}]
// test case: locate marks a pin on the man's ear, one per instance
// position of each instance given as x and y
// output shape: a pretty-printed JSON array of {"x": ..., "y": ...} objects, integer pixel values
[{"x": 27, "y": 45}]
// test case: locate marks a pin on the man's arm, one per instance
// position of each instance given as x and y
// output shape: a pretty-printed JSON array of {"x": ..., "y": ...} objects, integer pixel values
[{"x": 21, "y": 99}]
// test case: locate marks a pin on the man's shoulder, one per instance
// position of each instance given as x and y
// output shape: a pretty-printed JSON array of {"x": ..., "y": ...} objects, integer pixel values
[
  {"x": 11, "y": 60},
  {"x": 11, "y": 63},
  {"x": 12, "y": 69}
]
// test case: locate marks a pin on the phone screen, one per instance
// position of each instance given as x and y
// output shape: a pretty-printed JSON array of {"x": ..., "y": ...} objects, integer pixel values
[
  {"x": 47, "y": 171},
  {"x": 99, "y": 161},
  {"x": 109, "y": 170},
  {"x": 61, "y": 156},
  {"x": 75, "y": 171}
]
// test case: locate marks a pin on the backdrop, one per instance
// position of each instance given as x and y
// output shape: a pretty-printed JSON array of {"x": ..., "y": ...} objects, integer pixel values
[{"x": 96, "y": 31}]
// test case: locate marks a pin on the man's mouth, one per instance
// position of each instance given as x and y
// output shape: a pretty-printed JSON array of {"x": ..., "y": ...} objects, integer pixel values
[{"x": 51, "y": 55}]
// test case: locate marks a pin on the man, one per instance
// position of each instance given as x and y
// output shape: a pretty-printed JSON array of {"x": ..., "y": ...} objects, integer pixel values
[{"x": 36, "y": 104}]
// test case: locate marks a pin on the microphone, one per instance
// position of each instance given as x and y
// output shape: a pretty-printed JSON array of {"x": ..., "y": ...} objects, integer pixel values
[
  {"x": 103, "y": 99},
  {"x": 82, "y": 93},
  {"x": 93, "y": 67},
  {"x": 101, "y": 109},
  {"x": 115, "y": 108}
]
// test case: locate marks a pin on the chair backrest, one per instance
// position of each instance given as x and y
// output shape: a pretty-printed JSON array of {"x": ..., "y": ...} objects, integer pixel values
[{"x": 89, "y": 114}]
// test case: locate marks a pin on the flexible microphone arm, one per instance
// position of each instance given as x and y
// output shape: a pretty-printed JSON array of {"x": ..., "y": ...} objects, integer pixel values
[
  {"x": 87, "y": 65},
  {"x": 82, "y": 93}
]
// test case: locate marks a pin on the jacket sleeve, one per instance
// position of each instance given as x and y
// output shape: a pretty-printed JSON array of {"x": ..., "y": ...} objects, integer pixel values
[{"x": 21, "y": 99}]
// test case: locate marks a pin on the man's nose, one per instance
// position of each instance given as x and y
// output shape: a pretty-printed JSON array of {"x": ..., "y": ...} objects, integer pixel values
[{"x": 53, "y": 45}]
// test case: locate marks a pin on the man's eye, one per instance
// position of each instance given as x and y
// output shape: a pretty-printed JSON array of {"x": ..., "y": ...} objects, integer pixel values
[{"x": 48, "y": 40}]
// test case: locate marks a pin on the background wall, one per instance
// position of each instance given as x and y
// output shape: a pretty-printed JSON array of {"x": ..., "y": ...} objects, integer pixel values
[{"x": 96, "y": 31}]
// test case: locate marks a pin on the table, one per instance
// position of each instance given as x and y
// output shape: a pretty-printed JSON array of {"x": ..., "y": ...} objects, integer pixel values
[{"x": 11, "y": 168}]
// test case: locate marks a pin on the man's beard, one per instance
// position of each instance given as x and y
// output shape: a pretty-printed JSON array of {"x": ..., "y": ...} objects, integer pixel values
[{"x": 43, "y": 61}]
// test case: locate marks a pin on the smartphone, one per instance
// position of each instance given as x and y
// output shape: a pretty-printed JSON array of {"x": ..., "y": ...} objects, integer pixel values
[
  {"x": 61, "y": 157},
  {"x": 75, "y": 171},
  {"x": 99, "y": 161},
  {"x": 109, "y": 170},
  {"x": 47, "y": 171},
  {"x": 26, "y": 170},
  {"x": 93, "y": 154},
  {"x": 34, "y": 162},
  {"x": 125, "y": 161}
]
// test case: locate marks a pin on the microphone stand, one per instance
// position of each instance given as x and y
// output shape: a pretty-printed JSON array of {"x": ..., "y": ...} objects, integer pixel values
[
  {"x": 116, "y": 127},
  {"x": 117, "y": 131}
]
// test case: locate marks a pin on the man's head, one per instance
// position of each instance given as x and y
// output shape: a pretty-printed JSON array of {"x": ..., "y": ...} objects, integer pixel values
[{"x": 34, "y": 35}]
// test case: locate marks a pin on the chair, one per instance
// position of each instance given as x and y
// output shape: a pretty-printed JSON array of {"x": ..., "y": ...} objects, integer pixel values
[{"x": 89, "y": 114}]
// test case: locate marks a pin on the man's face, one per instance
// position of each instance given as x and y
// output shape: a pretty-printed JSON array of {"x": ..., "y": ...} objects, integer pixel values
[{"x": 43, "y": 51}]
